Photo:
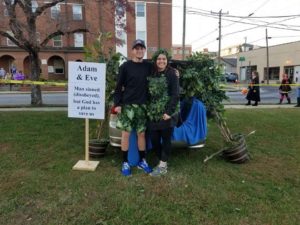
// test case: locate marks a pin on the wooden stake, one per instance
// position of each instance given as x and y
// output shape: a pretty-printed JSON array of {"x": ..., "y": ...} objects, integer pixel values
[{"x": 86, "y": 164}]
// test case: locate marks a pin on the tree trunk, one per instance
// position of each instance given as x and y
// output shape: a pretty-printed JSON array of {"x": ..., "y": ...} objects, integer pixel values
[{"x": 36, "y": 94}]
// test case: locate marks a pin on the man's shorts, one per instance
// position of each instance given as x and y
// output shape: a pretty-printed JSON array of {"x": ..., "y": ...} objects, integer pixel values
[{"x": 132, "y": 117}]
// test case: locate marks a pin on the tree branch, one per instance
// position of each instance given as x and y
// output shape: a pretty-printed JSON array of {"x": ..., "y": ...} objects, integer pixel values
[
  {"x": 42, "y": 8},
  {"x": 12, "y": 38},
  {"x": 59, "y": 32},
  {"x": 50, "y": 36}
]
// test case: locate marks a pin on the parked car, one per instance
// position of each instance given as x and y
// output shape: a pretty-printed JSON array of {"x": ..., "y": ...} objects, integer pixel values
[
  {"x": 231, "y": 77},
  {"x": 187, "y": 123}
]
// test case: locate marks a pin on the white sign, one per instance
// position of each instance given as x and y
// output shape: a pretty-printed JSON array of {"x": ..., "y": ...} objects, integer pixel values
[
  {"x": 86, "y": 90},
  {"x": 44, "y": 61}
]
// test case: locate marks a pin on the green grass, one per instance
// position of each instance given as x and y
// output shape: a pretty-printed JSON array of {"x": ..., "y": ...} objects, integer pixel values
[{"x": 38, "y": 185}]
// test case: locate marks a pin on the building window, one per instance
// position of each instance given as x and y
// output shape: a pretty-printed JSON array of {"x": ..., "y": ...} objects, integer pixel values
[
  {"x": 57, "y": 41},
  {"x": 77, "y": 12},
  {"x": 5, "y": 12},
  {"x": 141, "y": 35},
  {"x": 55, "y": 11},
  {"x": 273, "y": 73},
  {"x": 58, "y": 66},
  {"x": 78, "y": 39},
  {"x": 187, "y": 52},
  {"x": 140, "y": 9},
  {"x": 289, "y": 70},
  {"x": 34, "y": 6},
  {"x": 174, "y": 51},
  {"x": 8, "y": 41}
]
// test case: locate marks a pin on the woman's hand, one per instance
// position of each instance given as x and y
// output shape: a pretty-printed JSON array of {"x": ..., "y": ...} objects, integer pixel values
[
  {"x": 166, "y": 117},
  {"x": 118, "y": 109}
]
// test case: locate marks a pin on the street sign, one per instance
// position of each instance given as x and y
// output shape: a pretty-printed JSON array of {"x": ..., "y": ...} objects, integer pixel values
[{"x": 242, "y": 58}]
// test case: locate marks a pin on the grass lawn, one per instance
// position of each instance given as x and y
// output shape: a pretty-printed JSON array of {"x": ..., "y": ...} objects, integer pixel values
[{"x": 38, "y": 185}]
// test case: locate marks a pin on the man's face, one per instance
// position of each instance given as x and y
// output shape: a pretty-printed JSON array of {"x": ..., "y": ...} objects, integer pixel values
[{"x": 138, "y": 52}]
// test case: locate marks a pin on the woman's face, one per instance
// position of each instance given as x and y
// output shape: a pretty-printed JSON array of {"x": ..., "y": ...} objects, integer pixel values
[{"x": 161, "y": 62}]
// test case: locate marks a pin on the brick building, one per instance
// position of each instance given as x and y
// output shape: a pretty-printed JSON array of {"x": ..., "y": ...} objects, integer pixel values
[
  {"x": 177, "y": 51},
  {"x": 150, "y": 21}
]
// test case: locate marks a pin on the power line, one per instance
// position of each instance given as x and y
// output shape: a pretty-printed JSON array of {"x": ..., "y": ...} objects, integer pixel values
[
  {"x": 257, "y": 25},
  {"x": 205, "y": 35}
]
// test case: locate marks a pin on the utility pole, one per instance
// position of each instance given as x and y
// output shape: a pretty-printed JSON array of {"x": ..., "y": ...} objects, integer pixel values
[
  {"x": 158, "y": 23},
  {"x": 183, "y": 32},
  {"x": 267, "y": 55},
  {"x": 220, "y": 34},
  {"x": 220, "y": 37}
]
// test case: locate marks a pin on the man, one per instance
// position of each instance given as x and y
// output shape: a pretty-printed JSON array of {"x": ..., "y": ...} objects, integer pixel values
[{"x": 130, "y": 98}]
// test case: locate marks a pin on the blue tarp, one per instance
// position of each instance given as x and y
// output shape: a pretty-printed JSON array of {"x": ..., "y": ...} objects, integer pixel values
[
  {"x": 191, "y": 131},
  {"x": 194, "y": 128}
]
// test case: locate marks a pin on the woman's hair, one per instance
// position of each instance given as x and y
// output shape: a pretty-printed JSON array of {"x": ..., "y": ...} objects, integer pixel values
[
  {"x": 255, "y": 73},
  {"x": 161, "y": 51}
]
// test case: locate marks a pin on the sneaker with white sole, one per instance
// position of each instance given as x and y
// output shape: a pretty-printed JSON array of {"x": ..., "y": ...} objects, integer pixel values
[
  {"x": 159, "y": 171},
  {"x": 144, "y": 165},
  {"x": 126, "y": 171}
]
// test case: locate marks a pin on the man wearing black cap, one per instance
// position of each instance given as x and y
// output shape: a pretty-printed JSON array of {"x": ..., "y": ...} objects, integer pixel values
[{"x": 130, "y": 98}]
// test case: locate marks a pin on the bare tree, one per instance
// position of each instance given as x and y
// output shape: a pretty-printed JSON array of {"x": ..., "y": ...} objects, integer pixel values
[{"x": 23, "y": 17}]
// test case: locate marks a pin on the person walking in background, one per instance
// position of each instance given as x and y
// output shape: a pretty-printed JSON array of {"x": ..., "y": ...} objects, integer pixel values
[
  {"x": 285, "y": 88},
  {"x": 2, "y": 73},
  {"x": 253, "y": 90},
  {"x": 130, "y": 100},
  {"x": 13, "y": 70},
  {"x": 162, "y": 108}
]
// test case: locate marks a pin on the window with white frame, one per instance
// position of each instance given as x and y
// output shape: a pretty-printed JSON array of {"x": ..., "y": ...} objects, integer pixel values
[
  {"x": 55, "y": 11},
  {"x": 57, "y": 41},
  {"x": 141, "y": 35},
  {"x": 34, "y": 5},
  {"x": 8, "y": 41},
  {"x": 140, "y": 9},
  {"x": 77, "y": 12},
  {"x": 78, "y": 39}
]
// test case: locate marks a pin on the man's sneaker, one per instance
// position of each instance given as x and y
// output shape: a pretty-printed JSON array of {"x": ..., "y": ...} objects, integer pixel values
[
  {"x": 144, "y": 165},
  {"x": 158, "y": 171},
  {"x": 126, "y": 171}
]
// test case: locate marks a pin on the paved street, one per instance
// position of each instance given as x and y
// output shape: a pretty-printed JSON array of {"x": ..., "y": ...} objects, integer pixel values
[{"x": 269, "y": 95}]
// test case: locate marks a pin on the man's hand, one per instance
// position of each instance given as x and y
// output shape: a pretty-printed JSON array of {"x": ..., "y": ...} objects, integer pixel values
[
  {"x": 166, "y": 117},
  {"x": 118, "y": 109}
]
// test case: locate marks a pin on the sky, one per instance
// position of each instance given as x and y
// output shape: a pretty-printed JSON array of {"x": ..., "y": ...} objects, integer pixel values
[{"x": 202, "y": 21}]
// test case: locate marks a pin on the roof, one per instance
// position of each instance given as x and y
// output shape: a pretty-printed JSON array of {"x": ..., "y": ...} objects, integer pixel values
[{"x": 230, "y": 61}]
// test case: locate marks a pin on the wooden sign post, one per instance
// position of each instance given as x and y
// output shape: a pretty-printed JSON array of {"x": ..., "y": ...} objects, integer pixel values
[{"x": 86, "y": 99}]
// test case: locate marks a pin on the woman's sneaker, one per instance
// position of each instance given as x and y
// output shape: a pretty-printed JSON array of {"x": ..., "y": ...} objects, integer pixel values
[
  {"x": 126, "y": 171},
  {"x": 159, "y": 171},
  {"x": 144, "y": 165}
]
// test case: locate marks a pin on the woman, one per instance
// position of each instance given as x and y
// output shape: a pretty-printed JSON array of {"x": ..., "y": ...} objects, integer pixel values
[
  {"x": 285, "y": 88},
  {"x": 162, "y": 108},
  {"x": 253, "y": 90}
]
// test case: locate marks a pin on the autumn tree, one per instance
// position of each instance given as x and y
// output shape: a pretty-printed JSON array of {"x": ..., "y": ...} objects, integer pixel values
[{"x": 23, "y": 17}]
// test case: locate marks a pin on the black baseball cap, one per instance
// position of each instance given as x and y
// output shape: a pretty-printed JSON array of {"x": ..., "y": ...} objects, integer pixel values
[{"x": 138, "y": 42}]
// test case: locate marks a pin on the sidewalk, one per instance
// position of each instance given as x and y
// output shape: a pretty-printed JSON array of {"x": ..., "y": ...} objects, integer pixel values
[
  {"x": 269, "y": 106},
  {"x": 64, "y": 108}
]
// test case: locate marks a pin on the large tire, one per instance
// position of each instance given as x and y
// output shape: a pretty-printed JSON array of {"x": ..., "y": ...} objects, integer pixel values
[{"x": 238, "y": 152}]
